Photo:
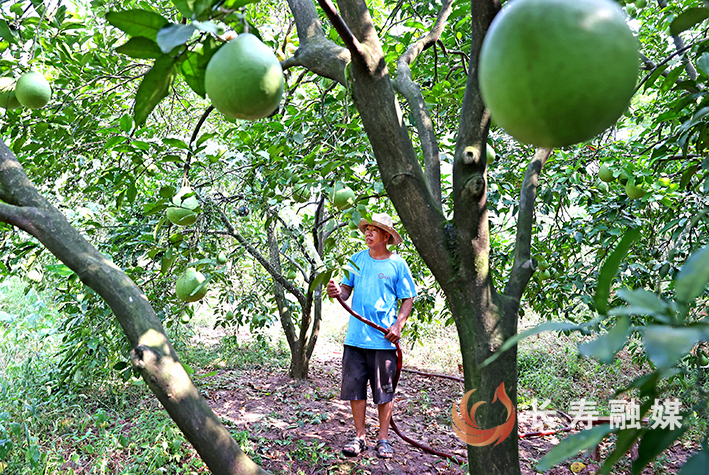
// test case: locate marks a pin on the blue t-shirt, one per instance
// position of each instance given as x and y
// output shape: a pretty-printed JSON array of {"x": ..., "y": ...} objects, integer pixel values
[{"x": 376, "y": 292}]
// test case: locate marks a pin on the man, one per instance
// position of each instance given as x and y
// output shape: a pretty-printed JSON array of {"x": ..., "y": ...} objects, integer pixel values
[{"x": 380, "y": 280}]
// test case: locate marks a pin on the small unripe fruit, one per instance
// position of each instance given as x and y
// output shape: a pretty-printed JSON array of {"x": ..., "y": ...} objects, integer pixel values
[{"x": 605, "y": 174}]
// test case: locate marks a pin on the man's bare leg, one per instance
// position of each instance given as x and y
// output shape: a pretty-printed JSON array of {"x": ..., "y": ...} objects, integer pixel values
[
  {"x": 385, "y": 419},
  {"x": 359, "y": 411}
]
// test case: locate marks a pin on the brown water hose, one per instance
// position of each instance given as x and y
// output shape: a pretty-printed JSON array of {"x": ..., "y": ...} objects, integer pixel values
[{"x": 399, "y": 357}]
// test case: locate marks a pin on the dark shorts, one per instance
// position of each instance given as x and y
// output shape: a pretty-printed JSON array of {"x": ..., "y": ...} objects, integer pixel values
[{"x": 360, "y": 365}]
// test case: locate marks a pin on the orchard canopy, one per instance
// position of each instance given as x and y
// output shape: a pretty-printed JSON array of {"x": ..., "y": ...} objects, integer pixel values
[{"x": 124, "y": 178}]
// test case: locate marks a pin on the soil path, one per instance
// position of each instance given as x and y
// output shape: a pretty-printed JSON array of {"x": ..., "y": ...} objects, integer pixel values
[{"x": 299, "y": 427}]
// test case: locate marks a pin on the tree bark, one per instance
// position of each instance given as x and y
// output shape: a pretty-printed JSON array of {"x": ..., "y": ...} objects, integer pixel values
[{"x": 153, "y": 355}]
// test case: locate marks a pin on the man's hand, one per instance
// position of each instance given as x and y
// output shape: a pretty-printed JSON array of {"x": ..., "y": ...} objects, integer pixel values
[
  {"x": 333, "y": 290},
  {"x": 393, "y": 333}
]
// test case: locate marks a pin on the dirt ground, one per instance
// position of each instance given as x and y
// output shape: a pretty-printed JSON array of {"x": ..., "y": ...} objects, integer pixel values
[{"x": 300, "y": 427}]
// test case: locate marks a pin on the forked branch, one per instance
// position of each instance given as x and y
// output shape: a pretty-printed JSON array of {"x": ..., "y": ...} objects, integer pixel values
[{"x": 412, "y": 92}]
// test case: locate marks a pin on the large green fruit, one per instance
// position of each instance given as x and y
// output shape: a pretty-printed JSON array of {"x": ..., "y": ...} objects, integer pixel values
[
  {"x": 605, "y": 173},
  {"x": 8, "y": 99},
  {"x": 491, "y": 155},
  {"x": 187, "y": 283},
  {"x": 181, "y": 216},
  {"x": 33, "y": 90},
  {"x": 244, "y": 79},
  {"x": 558, "y": 72},
  {"x": 634, "y": 191},
  {"x": 343, "y": 198},
  {"x": 186, "y": 198}
]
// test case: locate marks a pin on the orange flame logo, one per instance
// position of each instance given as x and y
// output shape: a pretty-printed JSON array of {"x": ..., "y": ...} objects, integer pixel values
[{"x": 468, "y": 430}]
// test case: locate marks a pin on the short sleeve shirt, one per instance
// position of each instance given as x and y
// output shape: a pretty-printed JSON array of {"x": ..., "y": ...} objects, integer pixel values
[{"x": 377, "y": 285}]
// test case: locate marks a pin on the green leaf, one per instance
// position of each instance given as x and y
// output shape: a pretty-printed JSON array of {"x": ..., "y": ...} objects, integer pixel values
[
  {"x": 233, "y": 4},
  {"x": 177, "y": 143},
  {"x": 193, "y": 68},
  {"x": 610, "y": 267},
  {"x": 209, "y": 27},
  {"x": 697, "y": 465},
  {"x": 137, "y": 22},
  {"x": 692, "y": 278},
  {"x": 703, "y": 63},
  {"x": 687, "y": 175},
  {"x": 606, "y": 346},
  {"x": 626, "y": 439},
  {"x": 572, "y": 445},
  {"x": 126, "y": 123},
  {"x": 644, "y": 302},
  {"x": 140, "y": 47},
  {"x": 654, "y": 443},
  {"x": 546, "y": 326},
  {"x": 688, "y": 19},
  {"x": 173, "y": 35},
  {"x": 154, "y": 87},
  {"x": 666, "y": 345},
  {"x": 6, "y": 33},
  {"x": 184, "y": 7},
  {"x": 671, "y": 79}
]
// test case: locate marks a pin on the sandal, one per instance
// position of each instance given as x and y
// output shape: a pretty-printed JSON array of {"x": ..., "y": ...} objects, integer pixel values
[
  {"x": 355, "y": 447},
  {"x": 384, "y": 450}
]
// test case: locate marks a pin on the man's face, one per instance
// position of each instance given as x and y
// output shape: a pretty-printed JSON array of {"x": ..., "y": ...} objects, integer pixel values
[{"x": 374, "y": 236}]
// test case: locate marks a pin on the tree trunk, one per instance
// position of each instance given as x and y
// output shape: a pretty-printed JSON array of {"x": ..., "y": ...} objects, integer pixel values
[{"x": 483, "y": 324}]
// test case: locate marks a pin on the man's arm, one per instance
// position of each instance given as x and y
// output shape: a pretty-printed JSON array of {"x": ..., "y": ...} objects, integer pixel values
[{"x": 394, "y": 332}]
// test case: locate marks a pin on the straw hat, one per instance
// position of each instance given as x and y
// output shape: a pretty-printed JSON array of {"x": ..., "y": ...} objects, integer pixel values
[{"x": 382, "y": 221}]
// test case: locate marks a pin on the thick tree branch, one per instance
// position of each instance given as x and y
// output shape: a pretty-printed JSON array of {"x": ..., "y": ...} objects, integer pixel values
[
  {"x": 162, "y": 371},
  {"x": 523, "y": 267},
  {"x": 315, "y": 52},
  {"x": 397, "y": 160},
  {"x": 469, "y": 178},
  {"x": 351, "y": 42},
  {"x": 412, "y": 92}
]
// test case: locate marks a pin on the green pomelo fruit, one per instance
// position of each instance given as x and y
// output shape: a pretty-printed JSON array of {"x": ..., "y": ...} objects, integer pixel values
[
  {"x": 542, "y": 264},
  {"x": 491, "y": 155},
  {"x": 558, "y": 72},
  {"x": 605, "y": 173},
  {"x": 343, "y": 198},
  {"x": 186, "y": 198},
  {"x": 244, "y": 79},
  {"x": 631, "y": 10},
  {"x": 187, "y": 283},
  {"x": 181, "y": 216},
  {"x": 640, "y": 3},
  {"x": 221, "y": 259},
  {"x": 292, "y": 274},
  {"x": 8, "y": 99},
  {"x": 634, "y": 191},
  {"x": 229, "y": 315},
  {"x": 185, "y": 317},
  {"x": 33, "y": 90},
  {"x": 545, "y": 275}
]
